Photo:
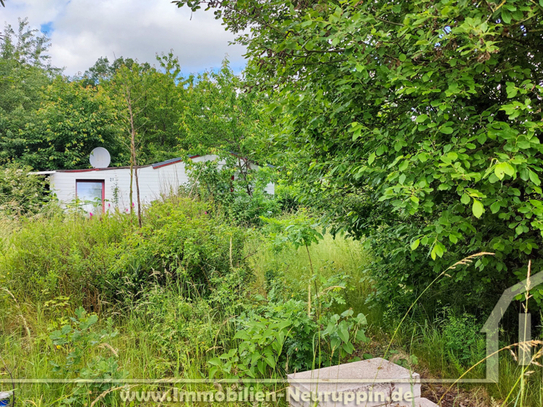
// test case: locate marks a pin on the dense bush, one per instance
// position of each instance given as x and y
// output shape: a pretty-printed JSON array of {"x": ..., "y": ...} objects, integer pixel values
[
  {"x": 182, "y": 243},
  {"x": 62, "y": 255},
  {"x": 20, "y": 192},
  {"x": 280, "y": 337},
  {"x": 418, "y": 120}
]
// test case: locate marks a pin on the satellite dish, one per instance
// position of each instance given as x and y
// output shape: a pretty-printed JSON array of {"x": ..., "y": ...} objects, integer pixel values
[{"x": 99, "y": 158}]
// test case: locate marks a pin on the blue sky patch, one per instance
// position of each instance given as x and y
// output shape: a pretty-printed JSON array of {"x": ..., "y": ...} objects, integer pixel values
[{"x": 47, "y": 28}]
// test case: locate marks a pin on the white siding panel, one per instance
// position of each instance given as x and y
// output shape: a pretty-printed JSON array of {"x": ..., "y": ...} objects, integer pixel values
[{"x": 154, "y": 183}]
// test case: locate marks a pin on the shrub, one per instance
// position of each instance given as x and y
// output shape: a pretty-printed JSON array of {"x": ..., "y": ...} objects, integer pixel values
[
  {"x": 181, "y": 243},
  {"x": 464, "y": 342},
  {"x": 280, "y": 337},
  {"x": 20, "y": 192},
  {"x": 236, "y": 188},
  {"x": 77, "y": 341},
  {"x": 61, "y": 256}
]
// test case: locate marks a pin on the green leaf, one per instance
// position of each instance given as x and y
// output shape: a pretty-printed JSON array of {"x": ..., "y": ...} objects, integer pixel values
[
  {"x": 361, "y": 336},
  {"x": 465, "y": 199},
  {"x": 440, "y": 249},
  {"x": 446, "y": 130},
  {"x": 495, "y": 207},
  {"x": 371, "y": 158},
  {"x": 534, "y": 178},
  {"x": 348, "y": 347},
  {"x": 477, "y": 208},
  {"x": 503, "y": 168},
  {"x": 361, "y": 319},
  {"x": 343, "y": 332},
  {"x": 481, "y": 138},
  {"x": 506, "y": 16},
  {"x": 433, "y": 253},
  {"x": 347, "y": 313},
  {"x": 270, "y": 360},
  {"x": 511, "y": 90},
  {"x": 415, "y": 244},
  {"x": 422, "y": 118}
]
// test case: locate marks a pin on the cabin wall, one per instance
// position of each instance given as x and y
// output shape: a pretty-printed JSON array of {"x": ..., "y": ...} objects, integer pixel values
[{"x": 154, "y": 183}]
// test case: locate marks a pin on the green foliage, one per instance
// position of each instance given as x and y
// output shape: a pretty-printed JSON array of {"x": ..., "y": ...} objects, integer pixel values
[
  {"x": 149, "y": 103},
  {"x": 102, "y": 259},
  {"x": 224, "y": 115},
  {"x": 236, "y": 186},
  {"x": 417, "y": 124},
  {"x": 281, "y": 337},
  {"x": 182, "y": 328},
  {"x": 24, "y": 70},
  {"x": 180, "y": 243},
  {"x": 70, "y": 123},
  {"x": 77, "y": 341},
  {"x": 104, "y": 71},
  {"x": 62, "y": 255},
  {"x": 464, "y": 342},
  {"x": 20, "y": 192},
  {"x": 300, "y": 231},
  {"x": 260, "y": 345}
]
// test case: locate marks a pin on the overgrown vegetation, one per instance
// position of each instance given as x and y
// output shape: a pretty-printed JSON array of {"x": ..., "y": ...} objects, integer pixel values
[
  {"x": 401, "y": 138},
  {"x": 193, "y": 295}
]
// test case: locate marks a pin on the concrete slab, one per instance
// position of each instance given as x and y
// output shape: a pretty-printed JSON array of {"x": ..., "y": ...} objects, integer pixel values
[
  {"x": 373, "y": 382},
  {"x": 417, "y": 402}
]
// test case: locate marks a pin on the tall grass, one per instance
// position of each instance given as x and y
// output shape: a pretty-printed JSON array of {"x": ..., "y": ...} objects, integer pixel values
[{"x": 332, "y": 258}]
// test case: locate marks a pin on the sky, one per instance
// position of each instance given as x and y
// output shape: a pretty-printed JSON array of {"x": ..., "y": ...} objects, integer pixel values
[{"x": 81, "y": 31}]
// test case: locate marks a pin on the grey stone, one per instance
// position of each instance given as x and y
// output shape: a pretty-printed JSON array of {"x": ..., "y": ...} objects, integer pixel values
[{"x": 373, "y": 382}]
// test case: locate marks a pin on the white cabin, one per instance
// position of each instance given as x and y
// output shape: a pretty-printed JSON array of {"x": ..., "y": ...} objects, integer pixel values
[{"x": 105, "y": 189}]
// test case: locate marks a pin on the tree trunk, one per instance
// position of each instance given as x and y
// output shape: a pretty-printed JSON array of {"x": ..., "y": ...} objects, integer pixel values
[{"x": 133, "y": 162}]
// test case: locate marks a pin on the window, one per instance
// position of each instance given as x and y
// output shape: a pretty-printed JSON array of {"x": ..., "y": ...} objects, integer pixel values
[{"x": 91, "y": 194}]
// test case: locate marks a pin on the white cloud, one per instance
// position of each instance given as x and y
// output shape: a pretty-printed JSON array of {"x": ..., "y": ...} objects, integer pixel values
[{"x": 85, "y": 30}]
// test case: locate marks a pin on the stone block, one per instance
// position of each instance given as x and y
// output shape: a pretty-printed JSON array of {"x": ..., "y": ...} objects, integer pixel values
[{"x": 370, "y": 383}]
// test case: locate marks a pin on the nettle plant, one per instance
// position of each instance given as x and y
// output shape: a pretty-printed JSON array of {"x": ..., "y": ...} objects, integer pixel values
[{"x": 280, "y": 337}]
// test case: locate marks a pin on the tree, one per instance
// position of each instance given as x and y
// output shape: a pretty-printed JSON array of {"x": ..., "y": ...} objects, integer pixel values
[
  {"x": 149, "y": 105},
  {"x": 104, "y": 71},
  {"x": 223, "y": 115},
  {"x": 70, "y": 122},
  {"x": 159, "y": 109},
  {"x": 419, "y": 122},
  {"x": 131, "y": 85},
  {"x": 24, "y": 71}
]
